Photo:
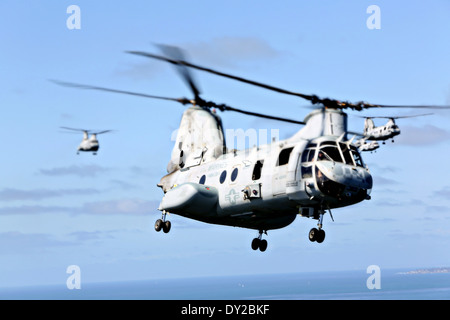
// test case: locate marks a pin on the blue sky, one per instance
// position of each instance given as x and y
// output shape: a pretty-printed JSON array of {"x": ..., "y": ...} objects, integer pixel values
[{"x": 58, "y": 209}]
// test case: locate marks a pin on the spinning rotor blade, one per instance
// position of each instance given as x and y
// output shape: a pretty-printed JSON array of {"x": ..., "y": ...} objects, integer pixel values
[
  {"x": 83, "y": 86},
  {"x": 314, "y": 99},
  {"x": 199, "y": 101},
  {"x": 398, "y": 117},
  {"x": 74, "y": 129},
  {"x": 87, "y": 131},
  {"x": 101, "y": 132},
  {"x": 177, "y": 54},
  {"x": 367, "y": 106},
  {"x": 260, "y": 115},
  {"x": 190, "y": 65}
]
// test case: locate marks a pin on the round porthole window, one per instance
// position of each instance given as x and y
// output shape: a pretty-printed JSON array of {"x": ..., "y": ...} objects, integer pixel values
[
  {"x": 202, "y": 180},
  {"x": 223, "y": 176},
  {"x": 234, "y": 174}
]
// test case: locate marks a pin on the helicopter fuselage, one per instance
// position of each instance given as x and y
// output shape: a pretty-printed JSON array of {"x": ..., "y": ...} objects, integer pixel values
[
  {"x": 266, "y": 187},
  {"x": 89, "y": 144},
  {"x": 381, "y": 133}
]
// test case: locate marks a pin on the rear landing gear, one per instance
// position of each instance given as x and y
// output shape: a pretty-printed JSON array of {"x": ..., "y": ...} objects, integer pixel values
[
  {"x": 163, "y": 224},
  {"x": 316, "y": 235},
  {"x": 259, "y": 243}
]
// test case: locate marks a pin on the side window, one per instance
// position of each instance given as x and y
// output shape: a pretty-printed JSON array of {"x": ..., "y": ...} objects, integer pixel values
[
  {"x": 257, "y": 170},
  {"x": 202, "y": 179},
  {"x": 306, "y": 172},
  {"x": 223, "y": 176},
  {"x": 283, "y": 158},
  {"x": 234, "y": 174}
]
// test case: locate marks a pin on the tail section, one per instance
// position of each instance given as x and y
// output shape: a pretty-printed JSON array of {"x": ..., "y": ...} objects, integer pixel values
[{"x": 199, "y": 139}]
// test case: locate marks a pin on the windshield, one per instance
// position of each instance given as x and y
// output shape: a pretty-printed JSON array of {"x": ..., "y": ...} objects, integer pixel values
[
  {"x": 357, "y": 157},
  {"x": 346, "y": 153},
  {"x": 329, "y": 151}
]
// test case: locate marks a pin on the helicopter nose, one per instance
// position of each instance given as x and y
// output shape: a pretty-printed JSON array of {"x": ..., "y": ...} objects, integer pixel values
[{"x": 342, "y": 180}]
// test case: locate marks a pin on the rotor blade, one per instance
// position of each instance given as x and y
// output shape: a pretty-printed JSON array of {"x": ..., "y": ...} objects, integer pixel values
[
  {"x": 260, "y": 115},
  {"x": 184, "y": 101},
  {"x": 177, "y": 54},
  {"x": 100, "y": 132},
  {"x": 331, "y": 103},
  {"x": 311, "y": 98},
  {"x": 398, "y": 117},
  {"x": 74, "y": 129},
  {"x": 368, "y": 105},
  {"x": 89, "y": 87}
]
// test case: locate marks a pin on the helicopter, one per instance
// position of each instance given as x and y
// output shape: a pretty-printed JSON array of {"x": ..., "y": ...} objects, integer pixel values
[
  {"x": 264, "y": 187},
  {"x": 388, "y": 131},
  {"x": 364, "y": 145},
  {"x": 89, "y": 143}
]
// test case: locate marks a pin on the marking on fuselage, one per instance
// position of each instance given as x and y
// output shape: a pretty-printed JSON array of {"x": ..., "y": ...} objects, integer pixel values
[{"x": 232, "y": 196}]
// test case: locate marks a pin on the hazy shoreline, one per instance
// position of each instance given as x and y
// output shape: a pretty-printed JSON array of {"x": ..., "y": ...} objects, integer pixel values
[{"x": 427, "y": 271}]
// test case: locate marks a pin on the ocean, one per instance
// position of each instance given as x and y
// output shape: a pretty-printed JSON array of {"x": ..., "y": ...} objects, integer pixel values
[{"x": 339, "y": 285}]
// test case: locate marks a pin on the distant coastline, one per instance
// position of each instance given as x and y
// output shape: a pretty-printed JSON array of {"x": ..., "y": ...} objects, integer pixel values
[{"x": 427, "y": 271}]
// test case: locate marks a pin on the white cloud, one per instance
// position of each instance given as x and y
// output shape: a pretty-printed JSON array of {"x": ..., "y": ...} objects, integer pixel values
[
  {"x": 14, "y": 242},
  {"x": 228, "y": 51},
  {"x": 109, "y": 207},
  {"x": 80, "y": 171},
  {"x": 426, "y": 135},
  {"x": 123, "y": 206},
  {"x": 223, "y": 51},
  {"x": 9, "y": 194}
]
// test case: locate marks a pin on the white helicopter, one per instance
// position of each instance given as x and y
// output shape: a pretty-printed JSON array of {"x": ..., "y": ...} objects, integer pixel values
[
  {"x": 89, "y": 143},
  {"x": 385, "y": 132},
  {"x": 264, "y": 187},
  {"x": 364, "y": 145}
]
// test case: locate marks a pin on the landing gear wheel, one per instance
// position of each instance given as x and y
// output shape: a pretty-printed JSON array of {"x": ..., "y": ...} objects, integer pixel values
[
  {"x": 162, "y": 224},
  {"x": 263, "y": 245},
  {"x": 312, "y": 234},
  {"x": 166, "y": 226},
  {"x": 316, "y": 235},
  {"x": 320, "y": 236},
  {"x": 259, "y": 243},
  {"x": 255, "y": 244},
  {"x": 158, "y": 225}
]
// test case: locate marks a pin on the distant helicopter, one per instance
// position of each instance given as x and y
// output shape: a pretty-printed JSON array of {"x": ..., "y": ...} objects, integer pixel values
[
  {"x": 388, "y": 131},
  {"x": 89, "y": 143},
  {"x": 364, "y": 145},
  {"x": 265, "y": 187}
]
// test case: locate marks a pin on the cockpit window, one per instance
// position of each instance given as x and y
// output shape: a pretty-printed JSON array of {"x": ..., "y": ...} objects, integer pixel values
[
  {"x": 357, "y": 157},
  {"x": 328, "y": 143},
  {"x": 346, "y": 153},
  {"x": 330, "y": 153},
  {"x": 308, "y": 155}
]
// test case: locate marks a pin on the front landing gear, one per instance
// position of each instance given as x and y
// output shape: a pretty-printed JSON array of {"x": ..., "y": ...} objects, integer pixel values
[
  {"x": 162, "y": 223},
  {"x": 259, "y": 243},
  {"x": 317, "y": 234}
]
